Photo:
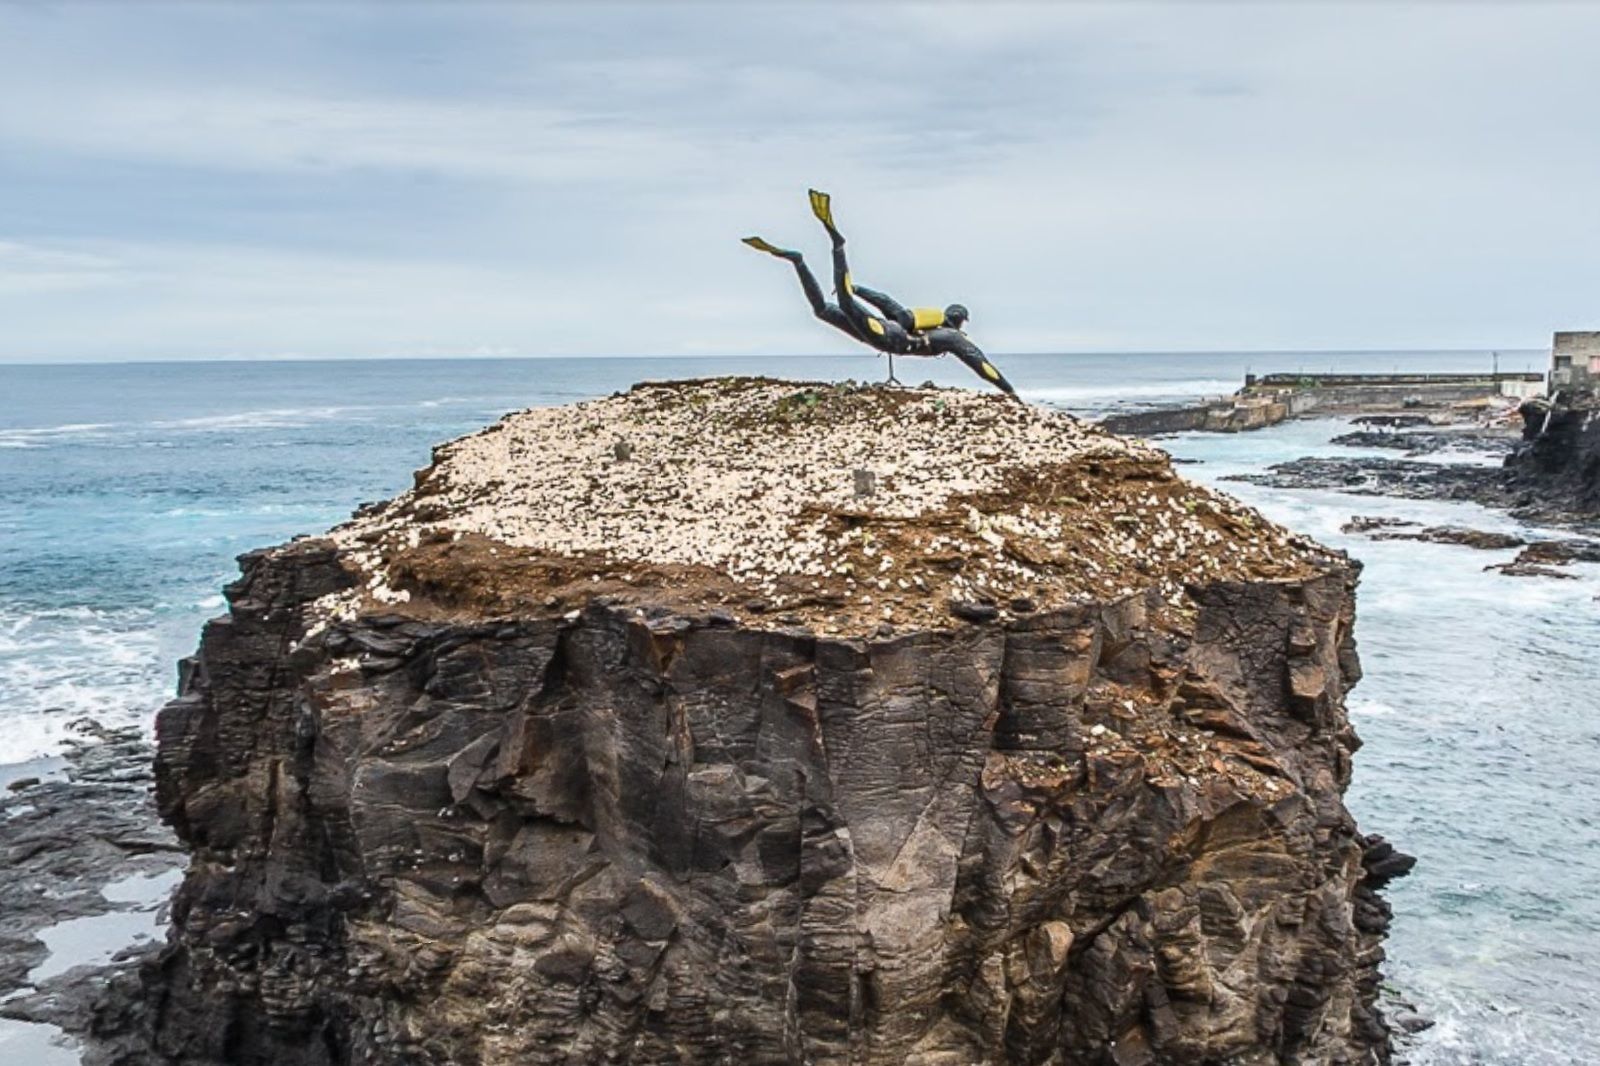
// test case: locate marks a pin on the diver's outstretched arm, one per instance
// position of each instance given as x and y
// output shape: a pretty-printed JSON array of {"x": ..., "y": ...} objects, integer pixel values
[
  {"x": 956, "y": 343},
  {"x": 988, "y": 372}
]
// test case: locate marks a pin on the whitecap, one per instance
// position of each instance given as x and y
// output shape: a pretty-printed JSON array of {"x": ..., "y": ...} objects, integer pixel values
[
  {"x": 272, "y": 418},
  {"x": 66, "y": 429}
]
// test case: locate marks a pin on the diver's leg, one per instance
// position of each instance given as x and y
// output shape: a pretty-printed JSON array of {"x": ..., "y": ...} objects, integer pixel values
[
  {"x": 832, "y": 314},
  {"x": 822, "y": 207},
  {"x": 884, "y": 336},
  {"x": 808, "y": 281},
  {"x": 842, "y": 287},
  {"x": 846, "y": 292},
  {"x": 761, "y": 245},
  {"x": 888, "y": 306}
]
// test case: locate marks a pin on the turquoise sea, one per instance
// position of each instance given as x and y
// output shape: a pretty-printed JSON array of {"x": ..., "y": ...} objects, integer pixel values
[{"x": 126, "y": 490}]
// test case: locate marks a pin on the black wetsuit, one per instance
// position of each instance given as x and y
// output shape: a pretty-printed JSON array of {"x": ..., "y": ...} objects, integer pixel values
[
  {"x": 937, "y": 340},
  {"x": 886, "y": 335}
]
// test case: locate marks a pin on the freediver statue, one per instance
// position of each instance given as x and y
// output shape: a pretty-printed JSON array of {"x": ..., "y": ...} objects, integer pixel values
[{"x": 911, "y": 331}]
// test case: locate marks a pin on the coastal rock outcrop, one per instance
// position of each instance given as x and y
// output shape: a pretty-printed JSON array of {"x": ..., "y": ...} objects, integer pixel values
[
  {"x": 1558, "y": 465},
  {"x": 1551, "y": 477},
  {"x": 650, "y": 730}
]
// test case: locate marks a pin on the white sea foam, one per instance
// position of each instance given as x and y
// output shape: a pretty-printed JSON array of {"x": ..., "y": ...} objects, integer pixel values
[
  {"x": 1471, "y": 1033},
  {"x": 268, "y": 418},
  {"x": 33, "y": 736},
  {"x": 62, "y": 664},
  {"x": 264, "y": 419},
  {"x": 271, "y": 418},
  {"x": 68, "y": 429}
]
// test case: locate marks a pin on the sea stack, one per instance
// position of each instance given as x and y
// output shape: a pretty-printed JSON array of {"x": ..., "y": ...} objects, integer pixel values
[{"x": 748, "y": 722}]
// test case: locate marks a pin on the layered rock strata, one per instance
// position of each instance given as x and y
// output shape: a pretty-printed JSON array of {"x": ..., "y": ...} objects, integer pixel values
[{"x": 744, "y": 722}]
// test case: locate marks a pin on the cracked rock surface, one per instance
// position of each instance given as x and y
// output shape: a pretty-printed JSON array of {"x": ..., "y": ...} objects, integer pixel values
[{"x": 523, "y": 816}]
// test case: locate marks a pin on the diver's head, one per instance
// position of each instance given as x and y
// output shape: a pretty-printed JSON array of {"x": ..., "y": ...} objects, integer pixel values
[{"x": 955, "y": 316}]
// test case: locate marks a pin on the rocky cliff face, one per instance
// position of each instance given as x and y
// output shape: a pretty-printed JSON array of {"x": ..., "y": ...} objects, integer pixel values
[
  {"x": 737, "y": 722},
  {"x": 1558, "y": 466}
]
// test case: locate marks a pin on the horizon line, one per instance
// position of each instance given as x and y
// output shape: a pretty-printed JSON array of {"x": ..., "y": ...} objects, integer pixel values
[{"x": 484, "y": 358}]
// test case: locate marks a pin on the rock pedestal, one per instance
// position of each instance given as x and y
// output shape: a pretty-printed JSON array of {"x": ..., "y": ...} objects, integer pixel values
[{"x": 448, "y": 806}]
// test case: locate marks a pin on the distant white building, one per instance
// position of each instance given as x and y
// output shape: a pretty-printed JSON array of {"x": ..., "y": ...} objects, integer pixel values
[{"x": 1575, "y": 361}]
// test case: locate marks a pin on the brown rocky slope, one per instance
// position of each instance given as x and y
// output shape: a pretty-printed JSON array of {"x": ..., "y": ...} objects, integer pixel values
[{"x": 746, "y": 722}]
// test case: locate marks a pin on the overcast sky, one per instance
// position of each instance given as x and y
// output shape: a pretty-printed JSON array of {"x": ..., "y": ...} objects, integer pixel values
[{"x": 222, "y": 180}]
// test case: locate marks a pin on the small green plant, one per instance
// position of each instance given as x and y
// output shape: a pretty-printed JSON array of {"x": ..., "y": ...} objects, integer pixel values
[{"x": 796, "y": 406}]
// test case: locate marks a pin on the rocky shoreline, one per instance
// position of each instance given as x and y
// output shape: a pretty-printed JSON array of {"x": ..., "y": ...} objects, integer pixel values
[
  {"x": 1550, "y": 456},
  {"x": 1502, "y": 488},
  {"x": 1037, "y": 757},
  {"x": 1549, "y": 474},
  {"x": 84, "y": 849},
  {"x": 1539, "y": 558}
]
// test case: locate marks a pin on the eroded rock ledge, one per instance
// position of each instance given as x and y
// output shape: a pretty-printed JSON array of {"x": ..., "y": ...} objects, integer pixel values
[{"x": 461, "y": 786}]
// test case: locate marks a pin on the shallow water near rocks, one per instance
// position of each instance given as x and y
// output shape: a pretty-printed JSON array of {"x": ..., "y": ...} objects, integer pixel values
[
  {"x": 125, "y": 493},
  {"x": 27, "y": 1044},
  {"x": 93, "y": 940}
]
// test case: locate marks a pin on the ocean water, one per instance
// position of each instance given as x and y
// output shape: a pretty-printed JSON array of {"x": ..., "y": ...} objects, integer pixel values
[{"x": 126, "y": 491}]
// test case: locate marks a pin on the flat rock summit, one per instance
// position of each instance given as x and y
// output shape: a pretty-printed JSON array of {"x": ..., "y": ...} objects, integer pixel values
[
  {"x": 844, "y": 507},
  {"x": 751, "y": 722}
]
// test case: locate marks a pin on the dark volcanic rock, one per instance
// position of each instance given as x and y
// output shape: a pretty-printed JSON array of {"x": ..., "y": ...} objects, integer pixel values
[
  {"x": 1559, "y": 462},
  {"x": 1372, "y": 438},
  {"x": 1540, "y": 558},
  {"x": 1518, "y": 568},
  {"x": 974, "y": 612},
  {"x": 1553, "y": 477},
  {"x": 1415, "y": 443},
  {"x": 653, "y": 840},
  {"x": 1386, "y": 477},
  {"x": 1368, "y": 523},
  {"x": 1561, "y": 552},
  {"x": 1104, "y": 833},
  {"x": 62, "y": 840},
  {"x": 1393, "y": 421},
  {"x": 1481, "y": 539}
]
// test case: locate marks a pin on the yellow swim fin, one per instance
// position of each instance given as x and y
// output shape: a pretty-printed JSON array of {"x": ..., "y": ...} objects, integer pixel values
[
  {"x": 771, "y": 249},
  {"x": 822, "y": 207}
]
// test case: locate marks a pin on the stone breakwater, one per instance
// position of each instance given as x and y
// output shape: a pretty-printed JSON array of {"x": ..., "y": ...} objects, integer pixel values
[{"x": 1014, "y": 748}]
